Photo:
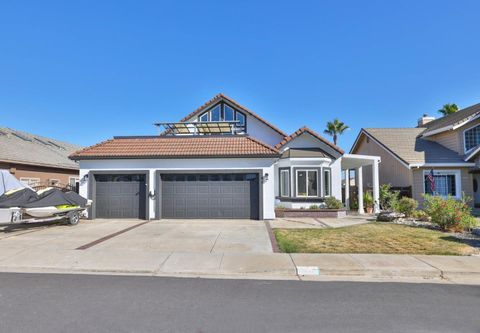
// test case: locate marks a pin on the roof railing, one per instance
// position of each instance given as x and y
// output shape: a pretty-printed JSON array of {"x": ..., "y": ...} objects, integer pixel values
[{"x": 201, "y": 128}]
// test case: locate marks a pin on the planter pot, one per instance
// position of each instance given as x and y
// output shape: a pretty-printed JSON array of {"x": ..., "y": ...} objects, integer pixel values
[{"x": 369, "y": 210}]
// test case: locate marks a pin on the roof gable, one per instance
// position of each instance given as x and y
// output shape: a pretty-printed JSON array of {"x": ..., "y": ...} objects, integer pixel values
[
  {"x": 452, "y": 121},
  {"x": 221, "y": 97},
  {"x": 326, "y": 145},
  {"x": 408, "y": 146}
]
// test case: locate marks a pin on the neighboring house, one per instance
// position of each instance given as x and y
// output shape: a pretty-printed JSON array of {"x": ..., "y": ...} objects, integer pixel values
[
  {"x": 36, "y": 160},
  {"x": 220, "y": 161},
  {"x": 450, "y": 146}
]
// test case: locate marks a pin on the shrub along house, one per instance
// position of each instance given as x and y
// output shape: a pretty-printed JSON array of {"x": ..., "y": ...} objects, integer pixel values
[
  {"x": 450, "y": 146},
  {"x": 220, "y": 161}
]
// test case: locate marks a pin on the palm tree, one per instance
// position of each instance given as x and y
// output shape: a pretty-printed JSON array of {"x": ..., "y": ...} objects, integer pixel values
[
  {"x": 448, "y": 108},
  {"x": 335, "y": 128}
]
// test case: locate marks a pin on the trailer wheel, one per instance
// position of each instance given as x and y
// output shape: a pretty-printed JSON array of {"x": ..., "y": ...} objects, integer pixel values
[{"x": 74, "y": 218}]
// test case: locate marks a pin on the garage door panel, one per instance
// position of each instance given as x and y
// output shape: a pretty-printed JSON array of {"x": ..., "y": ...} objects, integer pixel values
[
  {"x": 120, "y": 196},
  {"x": 209, "y": 196}
]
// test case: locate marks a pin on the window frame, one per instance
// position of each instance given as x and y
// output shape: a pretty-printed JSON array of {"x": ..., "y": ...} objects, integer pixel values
[
  {"x": 454, "y": 172},
  {"x": 222, "y": 115},
  {"x": 76, "y": 180},
  {"x": 329, "y": 171},
  {"x": 28, "y": 179},
  {"x": 280, "y": 192},
  {"x": 307, "y": 170},
  {"x": 465, "y": 150}
]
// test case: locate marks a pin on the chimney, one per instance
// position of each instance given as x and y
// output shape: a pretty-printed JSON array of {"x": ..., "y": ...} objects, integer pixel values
[{"x": 425, "y": 119}]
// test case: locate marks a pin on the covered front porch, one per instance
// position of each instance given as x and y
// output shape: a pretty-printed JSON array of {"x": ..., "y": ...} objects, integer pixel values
[{"x": 359, "y": 163}]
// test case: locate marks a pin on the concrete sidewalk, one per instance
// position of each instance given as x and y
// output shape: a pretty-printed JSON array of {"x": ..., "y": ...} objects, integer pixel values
[{"x": 363, "y": 267}]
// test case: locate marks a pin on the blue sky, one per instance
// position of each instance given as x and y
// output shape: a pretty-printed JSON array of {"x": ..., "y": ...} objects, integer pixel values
[{"x": 84, "y": 71}]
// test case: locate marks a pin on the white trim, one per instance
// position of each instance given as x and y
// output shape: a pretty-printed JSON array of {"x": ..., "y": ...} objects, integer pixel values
[
  {"x": 438, "y": 130},
  {"x": 325, "y": 170},
  {"x": 280, "y": 183},
  {"x": 306, "y": 184},
  {"x": 381, "y": 146},
  {"x": 445, "y": 165},
  {"x": 303, "y": 159},
  {"x": 463, "y": 137},
  {"x": 473, "y": 153},
  {"x": 458, "y": 180},
  {"x": 30, "y": 181}
]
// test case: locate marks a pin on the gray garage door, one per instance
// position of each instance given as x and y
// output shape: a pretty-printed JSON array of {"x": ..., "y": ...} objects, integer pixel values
[
  {"x": 120, "y": 196},
  {"x": 210, "y": 196}
]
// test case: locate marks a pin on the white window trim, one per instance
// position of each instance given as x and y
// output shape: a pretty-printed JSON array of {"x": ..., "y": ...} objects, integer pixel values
[
  {"x": 464, "y": 141},
  {"x": 29, "y": 179},
  {"x": 280, "y": 183},
  {"x": 77, "y": 179},
  {"x": 296, "y": 183},
  {"x": 458, "y": 180},
  {"x": 329, "y": 182}
]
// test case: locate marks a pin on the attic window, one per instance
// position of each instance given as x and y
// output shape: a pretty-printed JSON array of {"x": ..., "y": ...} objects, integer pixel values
[
  {"x": 224, "y": 112},
  {"x": 472, "y": 138}
]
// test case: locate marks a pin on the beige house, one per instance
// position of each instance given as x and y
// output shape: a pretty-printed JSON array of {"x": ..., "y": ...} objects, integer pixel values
[{"x": 450, "y": 146}]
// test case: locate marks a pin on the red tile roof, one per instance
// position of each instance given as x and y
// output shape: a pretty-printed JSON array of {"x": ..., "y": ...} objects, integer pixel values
[
  {"x": 309, "y": 131},
  {"x": 221, "y": 96},
  {"x": 177, "y": 147}
]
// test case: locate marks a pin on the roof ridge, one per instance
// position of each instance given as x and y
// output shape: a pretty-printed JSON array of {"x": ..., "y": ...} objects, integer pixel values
[
  {"x": 263, "y": 144},
  {"x": 304, "y": 129}
]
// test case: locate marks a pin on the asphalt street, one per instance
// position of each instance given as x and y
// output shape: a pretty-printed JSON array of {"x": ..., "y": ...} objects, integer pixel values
[{"x": 99, "y": 303}]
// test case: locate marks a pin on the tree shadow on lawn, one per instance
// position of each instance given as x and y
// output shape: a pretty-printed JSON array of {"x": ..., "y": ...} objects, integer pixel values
[{"x": 465, "y": 241}]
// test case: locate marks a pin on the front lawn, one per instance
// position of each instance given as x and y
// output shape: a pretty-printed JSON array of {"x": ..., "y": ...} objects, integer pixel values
[{"x": 371, "y": 238}]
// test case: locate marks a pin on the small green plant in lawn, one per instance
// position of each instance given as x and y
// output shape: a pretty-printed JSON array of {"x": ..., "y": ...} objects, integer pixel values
[
  {"x": 333, "y": 203},
  {"x": 406, "y": 206},
  {"x": 450, "y": 213},
  {"x": 388, "y": 198}
]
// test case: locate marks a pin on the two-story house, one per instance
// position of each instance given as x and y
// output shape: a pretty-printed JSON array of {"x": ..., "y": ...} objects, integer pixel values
[
  {"x": 449, "y": 146},
  {"x": 220, "y": 161}
]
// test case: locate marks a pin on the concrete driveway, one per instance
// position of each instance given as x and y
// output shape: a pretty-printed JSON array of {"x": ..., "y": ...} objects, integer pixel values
[{"x": 207, "y": 236}]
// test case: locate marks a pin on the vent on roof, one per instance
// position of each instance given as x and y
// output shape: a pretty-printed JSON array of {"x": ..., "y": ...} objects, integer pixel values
[
  {"x": 21, "y": 136},
  {"x": 55, "y": 145}
]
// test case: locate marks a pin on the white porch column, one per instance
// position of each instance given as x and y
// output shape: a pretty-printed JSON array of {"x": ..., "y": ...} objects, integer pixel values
[
  {"x": 359, "y": 172},
  {"x": 376, "y": 188},
  {"x": 347, "y": 189}
]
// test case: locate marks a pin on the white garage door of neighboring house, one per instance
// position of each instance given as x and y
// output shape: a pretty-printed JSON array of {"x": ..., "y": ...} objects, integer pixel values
[{"x": 228, "y": 196}]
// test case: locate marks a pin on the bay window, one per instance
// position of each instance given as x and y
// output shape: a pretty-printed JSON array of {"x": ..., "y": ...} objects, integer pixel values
[
  {"x": 327, "y": 183},
  {"x": 307, "y": 183},
  {"x": 284, "y": 182}
]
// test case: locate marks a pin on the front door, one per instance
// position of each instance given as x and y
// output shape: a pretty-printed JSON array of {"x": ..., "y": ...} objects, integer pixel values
[{"x": 476, "y": 189}]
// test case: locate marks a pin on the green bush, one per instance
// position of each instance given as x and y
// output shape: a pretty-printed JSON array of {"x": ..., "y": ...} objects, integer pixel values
[
  {"x": 388, "y": 198},
  {"x": 333, "y": 203},
  {"x": 421, "y": 215},
  {"x": 450, "y": 213},
  {"x": 406, "y": 206},
  {"x": 313, "y": 207},
  {"x": 367, "y": 199}
]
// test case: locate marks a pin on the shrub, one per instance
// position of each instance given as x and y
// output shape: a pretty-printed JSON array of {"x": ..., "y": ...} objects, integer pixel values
[
  {"x": 450, "y": 213},
  {"x": 406, "y": 206},
  {"x": 333, "y": 203},
  {"x": 388, "y": 198},
  {"x": 313, "y": 207},
  {"x": 368, "y": 199},
  {"x": 421, "y": 215}
]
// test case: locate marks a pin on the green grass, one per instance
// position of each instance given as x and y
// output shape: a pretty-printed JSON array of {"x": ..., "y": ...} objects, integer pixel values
[{"x": 371, "y": 238}]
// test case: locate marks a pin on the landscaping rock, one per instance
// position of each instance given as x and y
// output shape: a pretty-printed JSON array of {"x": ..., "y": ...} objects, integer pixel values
[
  {"x": 476, "y": 231},
  {"x": 389, "y": 216}
]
